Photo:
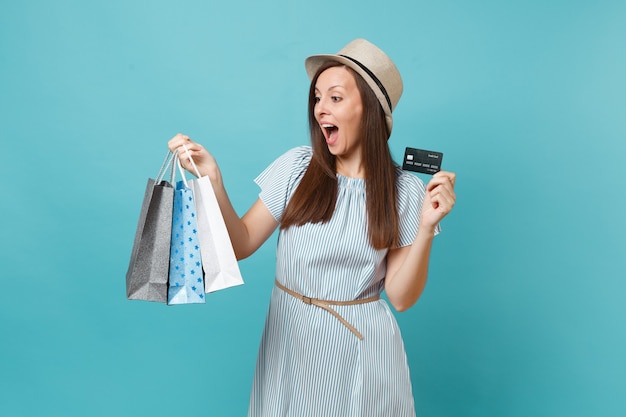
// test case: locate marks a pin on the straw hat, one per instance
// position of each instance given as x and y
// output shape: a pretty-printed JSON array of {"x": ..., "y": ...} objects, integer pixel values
[{"x": 373, "y": 65}]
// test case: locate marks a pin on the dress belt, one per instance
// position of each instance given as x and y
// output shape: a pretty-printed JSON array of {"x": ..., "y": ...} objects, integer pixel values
[{"x": 325, "y": 304}]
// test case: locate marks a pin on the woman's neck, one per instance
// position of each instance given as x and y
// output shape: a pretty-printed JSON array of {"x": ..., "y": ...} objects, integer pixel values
[{"x": 350, "y": 168}]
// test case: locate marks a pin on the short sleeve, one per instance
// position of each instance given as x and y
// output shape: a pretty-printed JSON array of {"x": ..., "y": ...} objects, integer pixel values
[
  {"x": 411, "y": 192},
  {"x": 279, "y": 180}
]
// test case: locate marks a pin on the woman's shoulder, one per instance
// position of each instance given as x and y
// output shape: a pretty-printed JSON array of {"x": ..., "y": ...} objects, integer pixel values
[
  {"x": 298, "y": 156},
  {"x": 302, "y": 151},
  {"x": 289, "y": 165},
  {"x": 405, "y": 180}
]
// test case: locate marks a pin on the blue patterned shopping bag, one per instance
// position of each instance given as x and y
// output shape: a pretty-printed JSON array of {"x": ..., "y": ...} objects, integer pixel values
[{"x": 186, "y": 283}]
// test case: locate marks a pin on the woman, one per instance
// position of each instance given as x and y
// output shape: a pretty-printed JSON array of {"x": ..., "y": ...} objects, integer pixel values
[{"x": 352, "y": 224}]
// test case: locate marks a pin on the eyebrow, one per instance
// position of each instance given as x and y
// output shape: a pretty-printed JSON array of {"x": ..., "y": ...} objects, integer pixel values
[{"x": 330, "y": 88}]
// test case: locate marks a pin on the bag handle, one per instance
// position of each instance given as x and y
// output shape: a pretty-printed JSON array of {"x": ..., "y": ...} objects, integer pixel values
[
  {"x": 193, "y": 164},
  {"x": 174, "y": 159},
  {"x": 181, "y": 170},
  {"x": 166, "y": 163},
  {"x": 180, "y": 167}
]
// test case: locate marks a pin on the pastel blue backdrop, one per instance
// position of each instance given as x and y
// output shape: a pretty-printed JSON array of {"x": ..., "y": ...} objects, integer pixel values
[{"x": 524, "y": 311}]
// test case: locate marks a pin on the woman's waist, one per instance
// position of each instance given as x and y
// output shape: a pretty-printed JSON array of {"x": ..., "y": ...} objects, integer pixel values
[{"x": 334, "y": 289}]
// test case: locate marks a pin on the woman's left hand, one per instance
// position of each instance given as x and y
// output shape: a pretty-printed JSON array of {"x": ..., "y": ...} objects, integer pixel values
[{"x": 439, "y": 199}]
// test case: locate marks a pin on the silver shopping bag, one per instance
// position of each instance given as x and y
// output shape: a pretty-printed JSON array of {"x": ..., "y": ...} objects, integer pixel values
[
  {"x": 218, "y": 257},
  {"x": 148, "y": 269}
]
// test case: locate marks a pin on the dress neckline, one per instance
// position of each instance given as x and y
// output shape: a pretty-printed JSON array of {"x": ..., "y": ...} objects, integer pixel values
[{"x": 345, "y": 181}]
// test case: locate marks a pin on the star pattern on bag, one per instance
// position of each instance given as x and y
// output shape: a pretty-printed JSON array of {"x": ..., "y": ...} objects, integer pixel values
[{"x": 185, "y": 260}]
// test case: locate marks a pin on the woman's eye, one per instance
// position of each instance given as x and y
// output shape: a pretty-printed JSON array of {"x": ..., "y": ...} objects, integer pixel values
[
  {"x": 336, "y": 99},
  {"x": 316, "y": 99}
]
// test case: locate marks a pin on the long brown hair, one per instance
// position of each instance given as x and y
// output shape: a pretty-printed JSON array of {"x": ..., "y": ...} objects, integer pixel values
[{"x": 315, "y": 197}]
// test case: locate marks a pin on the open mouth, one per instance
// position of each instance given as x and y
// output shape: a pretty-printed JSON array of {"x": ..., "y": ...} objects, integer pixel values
[{"x": 330, "y": 131}]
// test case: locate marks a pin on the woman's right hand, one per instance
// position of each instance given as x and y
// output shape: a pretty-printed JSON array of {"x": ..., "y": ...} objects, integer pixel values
[
  {"x": 201, "y": 157},
  {"x": 247, "y": 234}
]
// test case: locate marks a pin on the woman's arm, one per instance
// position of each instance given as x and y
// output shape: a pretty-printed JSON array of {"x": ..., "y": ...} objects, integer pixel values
[
  {"x": 247, "y": 233},
  {"x": 407, "y": 267}
]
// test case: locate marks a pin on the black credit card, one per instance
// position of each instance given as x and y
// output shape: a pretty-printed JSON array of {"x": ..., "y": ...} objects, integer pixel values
[{"x": 419, "y": 160}]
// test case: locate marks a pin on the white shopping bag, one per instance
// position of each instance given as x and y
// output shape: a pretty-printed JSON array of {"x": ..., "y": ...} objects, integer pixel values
[{"x": 218, "y": 257}]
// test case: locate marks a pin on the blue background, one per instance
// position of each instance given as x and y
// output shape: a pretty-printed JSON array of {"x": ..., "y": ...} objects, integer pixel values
[{"x": 524, "y": 311}]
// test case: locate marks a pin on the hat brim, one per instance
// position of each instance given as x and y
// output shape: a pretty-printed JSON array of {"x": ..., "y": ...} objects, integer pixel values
[{"x": 314, "y": 62}]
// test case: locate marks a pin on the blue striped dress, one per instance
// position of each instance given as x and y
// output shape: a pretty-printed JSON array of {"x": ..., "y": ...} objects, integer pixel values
[{"x": 309, "y": 363}]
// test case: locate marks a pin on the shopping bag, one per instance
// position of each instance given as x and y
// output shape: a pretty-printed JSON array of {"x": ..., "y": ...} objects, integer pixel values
[
  {"x": 219, "y": 262},
  {"x": 186, "y": 285},
  {"x": 148, "y": 269}
]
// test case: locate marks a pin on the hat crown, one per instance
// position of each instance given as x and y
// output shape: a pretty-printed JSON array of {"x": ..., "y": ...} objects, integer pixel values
[{"x": 381, "y": 67}]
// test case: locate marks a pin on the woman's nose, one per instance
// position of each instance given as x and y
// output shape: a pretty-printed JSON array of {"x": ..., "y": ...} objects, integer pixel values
[{"x": 321, "y": 107}]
